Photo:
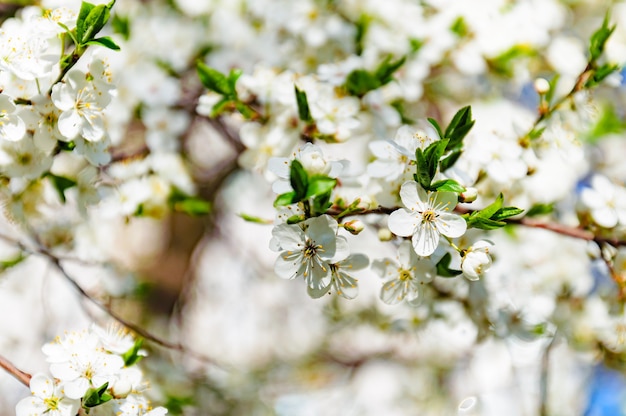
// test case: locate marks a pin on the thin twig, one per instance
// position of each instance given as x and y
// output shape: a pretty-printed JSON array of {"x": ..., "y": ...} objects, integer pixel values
[{"x": 10, "y": 368}]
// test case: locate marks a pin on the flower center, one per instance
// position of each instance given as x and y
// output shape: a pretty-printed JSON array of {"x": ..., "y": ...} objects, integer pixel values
[
  {"x": 404, "y": 275},
  {"x": 52, "y": 403},
  {"x": 429, "y": 215},
  {"x": 310, "y": 250}
]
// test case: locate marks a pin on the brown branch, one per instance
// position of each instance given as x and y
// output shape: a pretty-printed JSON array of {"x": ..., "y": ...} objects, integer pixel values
[{"x": 10, "y": 368}]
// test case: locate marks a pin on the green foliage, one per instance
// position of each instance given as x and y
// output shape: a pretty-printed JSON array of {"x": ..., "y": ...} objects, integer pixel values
[
  {"x": 503, "y": 63},
  {"x": 91, "y": 20},
  {"x": 459, "y": 27},
  {"x": 599, "y": 74},
  {"x": 492, "y": 216},
  {"x": 96, "y": 396},
  {"x": 443, "y": 267},
  {"x": 598, "y": 40},
  {"x": 61, "y": 183},
  {"x": 254, "y": 219},
  {"x": 303, "y": 105},
  {"x": 609, "y": 122},
  {"x": 458, "y": 128},
  {"x": 132, "y": 356},
  {"x": 121, "y": 25},
  {"x": 539, "y": 209},
  {"x": 360, "y": 81},
  {"x": 307, "y": 188},
  {"x": 361, "y": 30},
  {"x": 191, "y": 205}
]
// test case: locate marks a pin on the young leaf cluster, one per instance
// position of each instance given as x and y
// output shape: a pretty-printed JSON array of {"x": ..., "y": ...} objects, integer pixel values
[
  {"x": 443, "y": 154},
  {"x": 360, "y": 81},
  {"x": 597, "y": 43},
  {"x": 224, "y": 85},
  {"x": 491, "y": 217},
  {"x": 314, "y": 191}
]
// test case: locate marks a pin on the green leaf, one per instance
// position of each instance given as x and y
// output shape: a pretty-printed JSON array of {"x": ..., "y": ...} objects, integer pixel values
[
  {"x": 303, "y": 105},
  {"x": 359, "y": 82},
  {"x": 254, "y": 219},
  {"x": 221, "y": 106},
  {"x": 384, "y": 72},
  {"x": 503, "y": 63},
  {"x": 61, "y": 183},
  {"x": 422, "y": 176},
  {"x": 506, "y": 212},
  {"x": 362, "y": 24},
  {"x": 450, "y": 160},
  {"x": 96, "y": 396},
  {"x": 132, "y": 356},
  {"x": 85, "y": 9},
  {"x": 193, "y": 206},
  {"x": 484, "y": 223},
  {"x": 121, "y": 25},
  {"x": 540, "y": 209},
  {"x": 600, "y": 73},
  {"x": 459, "y": 27},
  {"x": 608, "y": 122},
  {"x": 443, "y": 267},
  {"x": 447, "y": 185},
  {"x": 321, "y": 203},
  {"x": 93, "y": 23},
  {"x": 233, "y": 77},
  {"x": 598, "y": 40},
  {"x": 213, "y": 79},
  {"x": 458, "y": 128},
  {"x": 105, "y": 41},
  {"x": 299, "y": 179},
  {"x": 433, "y": 154},
  {"x": 491, "y": 209},
  {"x": 285, "y": 199},
  {"x": 319, "y": 184},
  {"x": 436, "y": 126}
]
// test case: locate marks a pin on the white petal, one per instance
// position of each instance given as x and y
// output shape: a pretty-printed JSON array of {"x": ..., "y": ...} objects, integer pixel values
[
  {"x": 42, "y": 386},
  {"x": 288, "y": 264},
  {"x": 605, "y": 217},
  {"x": 393, "y": 292},
  {"x": 342, "y": 250},
  {"x": 288, "y": 237},
  {"x": 425, "y": 240},
  {"x": 403, "y": 222},
  {"x": 345, "y": 285},
  {"x": 413, "y": 195},
  {"x": 451, "y": 225},
  {"x": 69, "y": 124}
]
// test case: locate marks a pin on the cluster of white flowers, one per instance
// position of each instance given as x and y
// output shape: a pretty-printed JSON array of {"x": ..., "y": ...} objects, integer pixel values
[
  {"x": 467, "y": 153},
  {"x": 93, "y": 370}
]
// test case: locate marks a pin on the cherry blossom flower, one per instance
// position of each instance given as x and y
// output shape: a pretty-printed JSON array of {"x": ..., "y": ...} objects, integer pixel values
[
  {"x": 426, "y": 216},
  {"x": 47, "y": 399},
  {"x": 606, "y": 202},
  {"x": 476, "y": 260},
  {"x": 308, "y": 249}
]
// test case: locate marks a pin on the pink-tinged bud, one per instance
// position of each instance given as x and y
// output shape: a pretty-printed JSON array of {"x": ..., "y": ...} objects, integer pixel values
[
  {"x": 354, "y": 226},
  {"x": 469, "y": 195}
]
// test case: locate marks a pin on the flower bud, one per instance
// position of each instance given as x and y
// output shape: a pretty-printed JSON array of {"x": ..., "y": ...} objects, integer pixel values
[
  {"x": 469, "y": 195},
  {"x": 541, "y": 86},
  {"x": 121, "y": 388},
  {"x": 354, "y": 226},
  {"x": 476, "y": 260},
  {"x": 384, "y": 234}
]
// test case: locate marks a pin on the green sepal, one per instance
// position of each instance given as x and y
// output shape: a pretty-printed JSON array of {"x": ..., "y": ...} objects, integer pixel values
[
  {"x": 539, "y": 209},
  {"x": 105, "y": 41},
  {"x": 598, "y": 40},
  {"x": 350, "y": 209},
  {"x": 61, "y": 183},
  {"x": 447, "y": 185},
  {"x": 443, "y": 267},
  {"x": 303, "y": 105},
  {"x": 214, "y": 80},
  {"x": 96, "y": 396},
  {"x": 319, "y": 185},
  {"x": 132, "y": 356},
  {"x": 285, "y": 199}
]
